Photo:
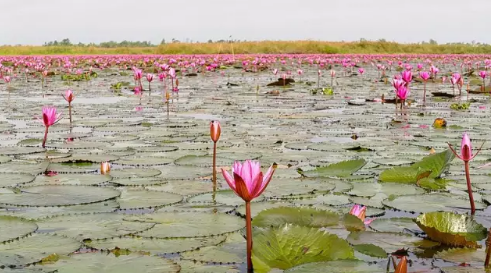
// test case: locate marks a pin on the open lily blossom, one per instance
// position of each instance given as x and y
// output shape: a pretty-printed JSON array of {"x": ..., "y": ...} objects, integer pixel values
[{"x": 247, "y": 180}]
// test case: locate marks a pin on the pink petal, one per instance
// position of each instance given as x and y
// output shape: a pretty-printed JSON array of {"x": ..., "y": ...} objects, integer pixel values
[{"x": 230, "y": 180}]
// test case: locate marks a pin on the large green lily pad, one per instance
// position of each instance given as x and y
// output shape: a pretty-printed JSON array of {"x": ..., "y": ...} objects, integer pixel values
[
  {"x": 289, "y": 246},
  {"x": 451, "y": 229},
  {"x": 92, "y": 226},
  {"x": 109, "y": 263},
  {"x": 308, "y": 217},
  {"x": 46, "y": 196},
  {"x": 435, "y": 164},
  {"x": 344, "y": 266},
  {"x": 390, "y": 242},
  {"x": 141, "y": 198},
  {"x": 156, "y": 246},
  {"x": 341, "y": 169},
  {"x": 35, "y": 248},
  {"x": 190, "y": 224},
  {"x": 15, "y": 228}
]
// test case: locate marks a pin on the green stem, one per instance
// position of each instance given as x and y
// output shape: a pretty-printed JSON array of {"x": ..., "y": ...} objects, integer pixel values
[{"x": 469, "y": 187}]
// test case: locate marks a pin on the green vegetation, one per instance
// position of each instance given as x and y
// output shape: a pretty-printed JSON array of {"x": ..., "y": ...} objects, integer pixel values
[{"x": 240, "y": 47}]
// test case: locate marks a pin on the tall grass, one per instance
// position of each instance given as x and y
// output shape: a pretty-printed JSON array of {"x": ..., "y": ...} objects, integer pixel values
[{"x": 263, "y": 47}]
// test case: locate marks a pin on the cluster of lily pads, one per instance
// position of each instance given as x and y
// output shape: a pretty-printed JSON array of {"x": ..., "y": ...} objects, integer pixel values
[{"x": 120, "y": 178}]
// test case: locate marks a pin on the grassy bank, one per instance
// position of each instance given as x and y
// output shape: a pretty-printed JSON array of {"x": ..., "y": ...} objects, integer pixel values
[{"x": 265, "y": 47}]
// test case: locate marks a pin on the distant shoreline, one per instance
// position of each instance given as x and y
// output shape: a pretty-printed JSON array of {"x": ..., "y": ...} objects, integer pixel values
[{"x": 262, "y": 47}]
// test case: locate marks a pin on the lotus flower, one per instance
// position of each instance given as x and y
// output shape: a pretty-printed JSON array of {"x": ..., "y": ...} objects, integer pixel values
[
  {"x": 360, "y": 212},
  {"x": 333, "y": 73},
  {"x": 68, "y": 96},
  {"x": 424, "y": 75},
  {"x": 172, "y": 73},
  {"x": 466, "y": 156},
  {"x": 407, "y": 76},
  {"x": 50, "y": 117},
  {"x": 397, "y": 83},
  {"x": 300, "y": 72},
  {"x": 361, "y": 71},
  {"x": 137, "y": 73},
  {"x": 402, "y": 92},
  {"x": 248, "y": 182},
  {"x": 215, "y": 130},
  {"x": 482, "y": 74},
  {"x": 275, "y": 71},
  {"x": 149, "y": 77},
  {"x": 465, "y": 149},
  {"x": 105, "y": 167}
]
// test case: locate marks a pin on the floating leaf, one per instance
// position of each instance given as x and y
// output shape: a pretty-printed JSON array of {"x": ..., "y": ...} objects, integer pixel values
[
  {"x": 35, "y": 248},
  {"x": 188, "y": 224},
  {"x": 341, "y": 169},
  {"x": 14, "y": 228},
  {"x": 109, "y": 263},
  {"x": 344, "y": 266},
  {"x": 436, "y": 164},
  {"x": 451, "y": 229},
  {"x": 47, "y": 196},
  {"x": 308, "y": 217},
  {"x": 371, "y": 250},
  {"x": 156, "y": 246},
  {"x": 390, "y": 242},
  {"x": 289, "y": 246},
  {"x": 92, "y": 226}
]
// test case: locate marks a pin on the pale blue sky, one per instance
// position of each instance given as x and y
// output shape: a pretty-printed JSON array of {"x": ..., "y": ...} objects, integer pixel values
[{"x": 37, "y": 21}]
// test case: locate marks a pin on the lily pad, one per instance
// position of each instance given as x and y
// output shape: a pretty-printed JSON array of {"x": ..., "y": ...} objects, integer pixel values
[
  {"x": 289, "y": 246},
  {"x": 390, "y": 242},
  {"x": 156, "y": 246},
  {"x": 92, "y": 226},
  {"x": 138, "y": 198},
  {"x": 344, "y": 266},
  {"x": 451, "y": 229},
  {"x": 190, "y": 224},
  {"x": 15, "y": 228},
  {"x": 35, "y": 248},
  {"x": 47, "y": 196},
  {"x": 435, "y": 164},
  {"x": 110, "y": 263},
  {"x": 308, "y": 217},
  {"x": 341, "y": 169},
  {"x": 395, "y": 225}
]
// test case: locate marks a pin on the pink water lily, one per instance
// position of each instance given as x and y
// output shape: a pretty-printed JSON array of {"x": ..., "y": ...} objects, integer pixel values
[
  {"x": 466, "y": 156},
  {"x": 482, "y": 74},
  {"x": 402, "y": 92},
  {"x": 50, "y": 118},
  {"x": 361, "y": 71},
  {"x": 424, "y": 75},
  {"x": 248, "y": 182},
  {"x": 149, "y": 77},
  {"x": 360, "y": 212},
  {"x": 407, "y": 76}
]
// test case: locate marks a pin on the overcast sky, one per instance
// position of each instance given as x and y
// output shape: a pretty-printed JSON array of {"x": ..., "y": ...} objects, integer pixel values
[{"x": 38, "y": 21}]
